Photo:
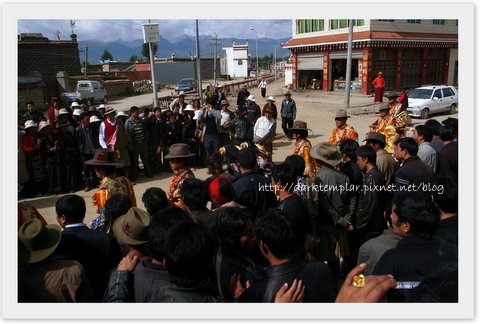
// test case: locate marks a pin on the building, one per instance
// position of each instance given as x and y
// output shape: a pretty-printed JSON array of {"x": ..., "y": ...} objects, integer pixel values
[
  {"x": 237, "y": 60},
  {"x": 409, "y": 52}
]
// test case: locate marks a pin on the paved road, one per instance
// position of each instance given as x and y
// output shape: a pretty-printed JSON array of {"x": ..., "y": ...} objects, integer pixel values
[{"x": 315, "y": 107}]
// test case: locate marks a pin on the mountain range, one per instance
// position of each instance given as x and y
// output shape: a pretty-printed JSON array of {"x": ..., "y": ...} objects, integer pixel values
[{"x": 184, "y": 48}]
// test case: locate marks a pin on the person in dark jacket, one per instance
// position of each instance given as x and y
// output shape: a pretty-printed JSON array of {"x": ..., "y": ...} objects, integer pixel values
[
  {"x": 282, "y": 249},
  {"x": 138, "y": 132},
  {"x": 288, "y": 112},
  {"x": 252, "y": 190}
]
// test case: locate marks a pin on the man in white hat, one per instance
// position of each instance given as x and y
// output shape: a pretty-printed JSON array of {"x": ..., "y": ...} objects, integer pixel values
[
  {"x": 252, "y": 113},
  {"x": 342, "y": 131},
  {"x": 270, "y": 103},
  {"x": 263, "y": 87}
]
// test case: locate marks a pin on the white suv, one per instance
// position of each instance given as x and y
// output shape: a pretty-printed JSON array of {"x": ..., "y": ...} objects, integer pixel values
[{"x": 424, "y": 101}]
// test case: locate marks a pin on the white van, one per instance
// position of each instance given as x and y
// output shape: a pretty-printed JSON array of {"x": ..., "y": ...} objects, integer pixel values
[{"x": 90, "y": 91}]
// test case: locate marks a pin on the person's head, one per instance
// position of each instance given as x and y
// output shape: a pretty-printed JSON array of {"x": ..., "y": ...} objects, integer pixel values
[
  {"x": 103, "y": 171},
  {"x": 117, "y": 206},
  {"x": 366, "y": 157},
  {"x": 446, "y": 133},
  {"x": 405, "y": 148},
  {"x": 134, "y": 111},
  {"x": 299, "y": 133},
  {"x": 234, "y": 230},
  {"x": 269, "y": 113},
  {"x": 154, "y": 199},
  {"x": 189, "y": 251},
  {"x": 215, "y": 163},
  {"x": 414, "y": 214},
  {"x": 276, "y": 237},
  {"x": 288, "y": 95},
  {"x": 296, "y": 163},
  {"x": 160, "y": 223},
  {"x": 194, "y": 194},
  {"x": 85, "y": 119},
  {"x": 221, "y": 191},
  {"x": 181, "y": 98},
  {"x": 70, "y": 209},
  {"x": 348, "y": 148},
  {"x": 283, "y": 177},
  {"x": 179, "y": 157},
  {"x": 421, "y": 133},
  {"x": 157, "y": 112},
  {"x": 446, "y": 194},
  {"x": 30, "y": 105},
  {"x": 54, "y": 102},
  {"x": 384, "y": 110},
  {"x": 247, "y": 159},
  {"x": 433, "y": 126},
  {"x": 376, "y": 141}
]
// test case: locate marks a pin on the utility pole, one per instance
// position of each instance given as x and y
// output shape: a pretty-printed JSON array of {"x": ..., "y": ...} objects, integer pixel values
[
  {"x": 86, "y": 62},
  {"x": 349, "y": 64},
  {"x": 199, "y": 77},
  {"x": 216, "y": 42},
  {"x": 151, "y": 34}
]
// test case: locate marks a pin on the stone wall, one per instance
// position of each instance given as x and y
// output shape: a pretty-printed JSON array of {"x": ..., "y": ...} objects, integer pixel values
[{"x": 31, "y": 92}]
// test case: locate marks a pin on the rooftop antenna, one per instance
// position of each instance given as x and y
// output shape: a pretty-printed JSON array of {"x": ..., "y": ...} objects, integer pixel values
[{"x": 72, "y": 25}]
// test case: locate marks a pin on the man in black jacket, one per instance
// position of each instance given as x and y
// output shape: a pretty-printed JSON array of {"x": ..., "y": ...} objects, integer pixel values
[{"x": 282, "y": 249}]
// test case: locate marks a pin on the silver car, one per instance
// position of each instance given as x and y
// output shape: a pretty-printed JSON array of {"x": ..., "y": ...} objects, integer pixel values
[{"x": 424, "y": 101}]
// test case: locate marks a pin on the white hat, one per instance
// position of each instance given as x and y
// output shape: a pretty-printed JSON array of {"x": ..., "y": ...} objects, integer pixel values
[
  {"x": 102, "y": 106},
  {"x": 75, "y": 104},
  {"x": 181, "y": 93},
  {"x": 271, "y": 98},
  {"x": 63, "y": 111},
  {"x": 251, "y": 98},
  {"x": 198, "y": 114},
  {"x": 189, "y": 108},
  {"x": 164, "y": 110},
  {"x": 121, "y": 114},
  {"x": 78, "y": 112},
  {"x": 42, "y": 125},
  {"x": 30, "y": 124},
  {"x": 94, "y": 119}
]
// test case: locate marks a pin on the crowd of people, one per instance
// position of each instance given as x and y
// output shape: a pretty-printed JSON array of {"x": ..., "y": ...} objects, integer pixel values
[{"x": 381, "y": 216}]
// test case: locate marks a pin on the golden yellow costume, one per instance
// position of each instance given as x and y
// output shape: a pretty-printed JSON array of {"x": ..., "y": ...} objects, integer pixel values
[
  {"x": 338, "y": 135},
  {"x": 303, "y": 148}
]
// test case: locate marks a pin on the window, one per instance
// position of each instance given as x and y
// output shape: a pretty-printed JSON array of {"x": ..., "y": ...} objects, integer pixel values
[
  {"x": 240, "y": 62},
  {"x": 437, "y": 93},
  {"x": 447, "y": 92},
  {"x": 310, "y": 25},
  {"x": 386, "y": 20},
  {"x": 439, "y": 21},
  {"x": 413, "y": 21},
  {"x": 358, "y": 22},
  {"x": 338, "y": 23}
]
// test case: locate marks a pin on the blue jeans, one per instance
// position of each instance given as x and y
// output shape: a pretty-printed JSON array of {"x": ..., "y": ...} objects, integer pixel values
[{"x": 212, "y": 144}]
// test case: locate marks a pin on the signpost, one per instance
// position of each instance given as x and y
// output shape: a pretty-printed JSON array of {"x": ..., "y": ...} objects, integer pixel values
[{"x": 151, "y": 34}]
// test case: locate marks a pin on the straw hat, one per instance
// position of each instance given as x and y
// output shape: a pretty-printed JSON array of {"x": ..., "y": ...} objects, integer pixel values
[
  {"x": 132, "y": 228},
  {"x": 108, "y": 111},
  {"x": 326, "y": 152}
]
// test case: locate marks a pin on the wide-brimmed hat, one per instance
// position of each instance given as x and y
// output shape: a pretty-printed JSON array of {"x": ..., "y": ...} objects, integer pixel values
[
  {"x": 271, "y": 98},
  {"x": 39, "y": 240},
  {"x": 63, "y": 111},
  {"x": 109, "y": 110},
  {"x": 299, "y": 125},
  {"x": 378, "y": 137},
  {"x": 132, "y": 228},
  {"x": 104, "y": 157},
  {"x": 179, "y": 150},
  {"x": 327, "y": 153},
  {"x": 341, "y": 113},
  {"x": 102, "y": 106},
  {"x": 251, "y": 98},
  {"x": 74, "y": 104},
  {"x": 42, "y": 125},
  {"x": 94, "y": 119},
  {"x": 392, "y": 94},
  {"x": 181, "y": 94},
  {"x": 189, "y": 108},
  {"x": 225, "y": 103},
  {"x": 78, "y": 112},
  {"x": 29, "y": 124},
  {"x": 121, "y": 114},
  {"x": 198, "y": 114}
]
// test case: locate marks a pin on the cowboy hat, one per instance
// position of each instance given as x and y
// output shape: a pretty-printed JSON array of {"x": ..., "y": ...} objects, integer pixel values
[
  {"x": 30, "y": 124},
  {"x": 271, "y": 98},
  {"x": 108, "y": 111},
  {"x": 378, "y": 137},
  {"x": 327, "y": 153},
  {"x": 39, "y": 240},
  {"x": 132, "y": 228},
  {"x": 341, "y": 113},
  {"x": 42, "y": 125},
  {"x": 179, "y": 150},
  {"x": 299, "y": 125},
  {"x": 104, "y": 157},
  {"x": 94, "y": 119}
]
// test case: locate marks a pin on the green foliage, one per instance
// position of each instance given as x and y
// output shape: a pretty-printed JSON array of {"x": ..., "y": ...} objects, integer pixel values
[
  {"x": 106, "y": 56},
  {"x": 146, "y": 50}
]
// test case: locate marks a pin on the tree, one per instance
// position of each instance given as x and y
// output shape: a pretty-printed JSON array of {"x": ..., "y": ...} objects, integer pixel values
[
  {"x": 106, "y": 56},
  {"x": 146, "y": 50}
]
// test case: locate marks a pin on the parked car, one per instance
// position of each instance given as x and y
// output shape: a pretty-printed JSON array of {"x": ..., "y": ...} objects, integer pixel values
[
  {"x": 88, "y": 91},
  {"x": 427, "y": 100},
  {"x": 186, "y": 84}
]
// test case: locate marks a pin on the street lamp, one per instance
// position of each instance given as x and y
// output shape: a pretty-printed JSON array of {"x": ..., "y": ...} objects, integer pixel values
[{"x": 256, "y": 47}]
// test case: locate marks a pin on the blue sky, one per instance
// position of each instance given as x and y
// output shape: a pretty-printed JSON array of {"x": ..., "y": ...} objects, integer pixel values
[{"x": 173, "y": 30}]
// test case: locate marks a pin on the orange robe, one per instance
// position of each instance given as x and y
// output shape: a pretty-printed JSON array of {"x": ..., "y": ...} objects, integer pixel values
[
  {"x": 303, "y": 148},
  {"x": 338, "y": 135}
]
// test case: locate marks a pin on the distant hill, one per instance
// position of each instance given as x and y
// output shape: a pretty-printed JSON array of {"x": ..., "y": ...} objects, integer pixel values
[{"x": 183, "y": 48}]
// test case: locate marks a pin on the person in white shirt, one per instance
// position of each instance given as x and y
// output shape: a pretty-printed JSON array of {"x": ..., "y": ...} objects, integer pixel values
[
  {"x": 426, "y": 153},
  {"x": 264, "y": 130},
  {"x": 263, "y": 87}
]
